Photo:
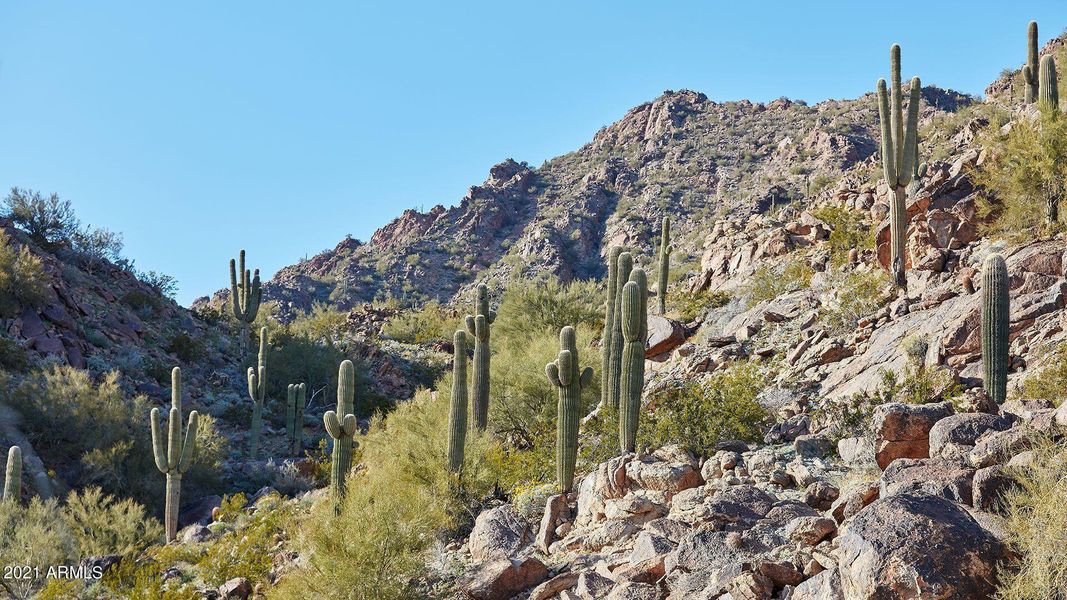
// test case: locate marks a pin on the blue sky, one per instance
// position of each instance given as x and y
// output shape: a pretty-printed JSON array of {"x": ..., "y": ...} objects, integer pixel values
[{"x": 199, "y": 128}]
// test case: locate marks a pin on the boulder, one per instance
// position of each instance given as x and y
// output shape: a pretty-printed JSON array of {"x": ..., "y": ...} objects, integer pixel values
[
  {"x": 629, "y": 590},
  {"x": 593, "y": 586},
  {"x": 999, "y": 446},
  {"x": 989, "y": 486},
  {"x": 555, "y": 511},
  {"x": 903, "y": 430},
  {"x": 917, "y": 546},
  {"x": 671, "y": 477},
  {"x": 812, "y": 445},
  {"x": 503, "y": 578},
  {"x": 552, "y": 587},
  {"x": 820, "y": 495},
  {"x": 856, "y": 451},
  {"x": 238, "y": 587},
  {"x": 664, "y": 335},
  {"x": 825, "y": 585},
  {"x": 955, "y": 435},
  {"x": 810, "y": 530},
  {"x": 738, "y": 507},
  {"x": 933, "y": 476},
  {"x": 498, "y": 533},
  {"x": 854, "y": 499}
]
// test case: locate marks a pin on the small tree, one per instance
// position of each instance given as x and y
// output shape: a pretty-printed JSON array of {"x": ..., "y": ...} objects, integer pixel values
[{"x": 49, "y": 220}]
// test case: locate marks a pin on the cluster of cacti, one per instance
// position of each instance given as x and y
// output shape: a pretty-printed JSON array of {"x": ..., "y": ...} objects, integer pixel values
[
  {"x": 245, "y": 295},
  {"x": 995, "y": 309},
  {"x": 341, "y": 426},
  {"x": 1030, "y": 74},
  {"x": 899, "y": 148},
  {"x": 294, "y": 416},
  {"x": 174, "y": 458},
  {"x": 13, "y": 475},
  {"x": 1048, "y": 95},
  {"x": 569, "y": 378},
  {"x": 623, "y": 266},
  {"x": 633, "y": 317},
  {"x": 607, "y": 352},
  {"x": 457, "y": 414},
  {"x": 257, "y": 391},
  {"x": 665, "y": 249},
  {"x": 478, "y": 328}
]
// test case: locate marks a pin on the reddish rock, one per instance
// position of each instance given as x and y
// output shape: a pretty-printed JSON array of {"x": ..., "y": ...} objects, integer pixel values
[
  {"x": 503, "y": 578},
  {"x": 902, "y": 430}
]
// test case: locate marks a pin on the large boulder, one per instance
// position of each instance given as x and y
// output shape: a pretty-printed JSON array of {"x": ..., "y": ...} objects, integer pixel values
[
  {"x": 917, "y": 546},
  {"x": 825, "y": 585},
  {"x": 955, "y": 435},
  {"x": 664, "y": 335},
  {"x": 498, "y": 533},
  {"x": 503, "y": 578},
  {"x": 903, "y": 430},
  {"x": 933, "y": 476}
]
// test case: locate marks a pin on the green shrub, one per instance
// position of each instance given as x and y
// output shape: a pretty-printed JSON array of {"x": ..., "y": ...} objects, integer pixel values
[
  {"x": 49, "y": 220},
  {"x": 1049, "y": 380},
  {"x": 699, "y": 415},
  {"x": 547, "y": 305},
  {"x": 187, "y": 348},
  {"x": 772, "y": 281},
  {"x": 32, "y": 536},
  {"x": 23, "y": 281},
  {"x": 248, "y": 551},
  {"x": 131, "y": 579},
  {"x": 102, "y": 524},
  {"x": 431, "y": 323},
  {"x": 917, "y": 385},
  {"x": 687, "y": 306},
  {"x": 323, "y": 323},
  {"x": 849, "y": 229},
  {"x": 141, "y": 301},
  {"x": 853, "y": 296},
  {"x": 13, "y": 356}
]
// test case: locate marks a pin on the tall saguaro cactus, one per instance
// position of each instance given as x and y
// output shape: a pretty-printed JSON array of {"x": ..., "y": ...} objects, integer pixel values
[
  {"x": 1048, "y": 89},
  {"x": 569, "y": 379},
  {"x": 245, "y": 295},
  {"x": 995, "y": 309},
  {"x": 622, "y": 275},
  {"x": 13, "y": 475},
  {"x": 1030, "y": 74},
  {"x": 457, "y": 415},
  {"x": 294, "y": 416},
  {"x": 174, "y": 458},
  {"x": 341, "y": 426},
  {"x": 634, "y": 321},
  {"x": 665, "y": 249},
  {"x": 899, "y": 149},
  {"x": 478, "y": 327},
  {"x": 257, "y": 391},
  {"x": 607, "y": 349}
]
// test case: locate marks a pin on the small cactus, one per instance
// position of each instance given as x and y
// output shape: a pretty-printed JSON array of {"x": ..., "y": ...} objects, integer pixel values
[
  {"x": 341, "y": 426},
  {"x": 257, "y": 391},
  {"x": 634, "y": 317},
  {"x": 174, "y": 458},
  {"x": 899, "y": 148},
  {"x": 607, "y": 349},
  {"x": 995, "y": 309},
  {"x": 457, "y": 415},
  {"x": 622, "y": 275},
  {"x": 13, "y": 475},
  {"x": 245, "y": 295},
  {"x": 478, "y": 327},
  {"x": 569, "y": 379},
  {"x": 665, "y": 249},
  {"x": 1049, "y": 93},
  {"x": 294, "y": 416},
  {"x": 1030, "y": 74}
]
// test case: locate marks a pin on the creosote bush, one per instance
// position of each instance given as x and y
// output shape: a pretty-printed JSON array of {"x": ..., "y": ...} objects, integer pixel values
[
  {"x": 23, "y": 281},
  {"x": 431, "y": 323},
  {"x": 771, "y": 281}
]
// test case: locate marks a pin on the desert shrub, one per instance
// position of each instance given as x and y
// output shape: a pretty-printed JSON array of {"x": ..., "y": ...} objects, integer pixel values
[
  {"x": 771, "y": 281},
  {"x": 23, "y": 281},
  {"x": 430, "y": 323},
  {"x": 917, "y": 385},
  {"x": 698, "y": 415},
  {"x": 845, "y": 417},
  {"x": 849, "y": 229},
  {"x": 394, "y": 509},
  {"x": 49, "y": 220},
  {"x": 102, "y": 524},
  {"x": 141, "y": 301},
  {"x": 96, "y": 246},
  {"x": 853, "y": 296},
  {"x": 131, "y": 579},
  {"x": 161, "y": 283},
  {"x": 1037, "y": 527},
  {"x": 323, "y": 323},
  {"x": 32, "y": 536},
  {"x": 690, "y": 305},
  {"x": 1049, "y": 381},
  {"x": 248, "y": 550},
  {"x": 1025, "y": 168},
  {"x": 547, "y": 305},
  {"x": 13, "y": 356},
  {"x": 185, "y": 347}
]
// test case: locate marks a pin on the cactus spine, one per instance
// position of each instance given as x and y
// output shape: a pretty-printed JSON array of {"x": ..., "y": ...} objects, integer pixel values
[
  {"x": 294, "y": 416},
  {"x": 622, "y": 275},
  {"x": 13, "y": 475},
  {"x": 341, "y": 426},
  {"x": 995, "y": 308},
  {"x": 634, "y": 321},
  {"x": 1048, "y": 89},
  {"x": 607, "y": 351},
  {"x": 257, "y": 391},
  {"x": 665, "y": 249},
  {"x": 457, "y": 415},
  {"x": 899, "y": 149},
  {"x": 245, "y": 295},
  {"x": 1030, "y": 74},
  {"x": 174, "y": 458},
  {"x": 569, "y": 379},
  {"x": 478, "y": 328}
]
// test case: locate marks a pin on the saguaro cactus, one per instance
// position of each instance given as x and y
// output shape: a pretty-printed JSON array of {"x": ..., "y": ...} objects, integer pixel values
[
  {"x": 1030, "y": 74},
  {"x": 174, "y": 458},
  {"x": 478, "y": 327},
  {"x": 1048, "y": 89},
  {"x": 257, "y": 391},
  {"x": 622, "y": 275},
  {"x": 569, "y": 379},
  {"x": 898, "y": 155},
  {"x": 995, "y": 309},
  {"x": 607, "y": 350},
  {"x": 245, "y": 296},
  {"x": 665, "y": 249},
  {"x": 13, "y": 475},
  {"x": 294, "y": 416},
  {"x": 457, "y": 415},
  {"x": 634, "y": 316},
  {"x": 341, "y": 426}
]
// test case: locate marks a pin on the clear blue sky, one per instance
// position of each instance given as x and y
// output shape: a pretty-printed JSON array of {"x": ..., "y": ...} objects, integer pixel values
[{"x": 199, "y": 128}]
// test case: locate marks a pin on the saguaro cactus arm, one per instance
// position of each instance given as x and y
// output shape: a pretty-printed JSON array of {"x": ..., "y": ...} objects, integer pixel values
[
  {"x": 607, "y": 349},
  {"x": 1030, "y": 71}
]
